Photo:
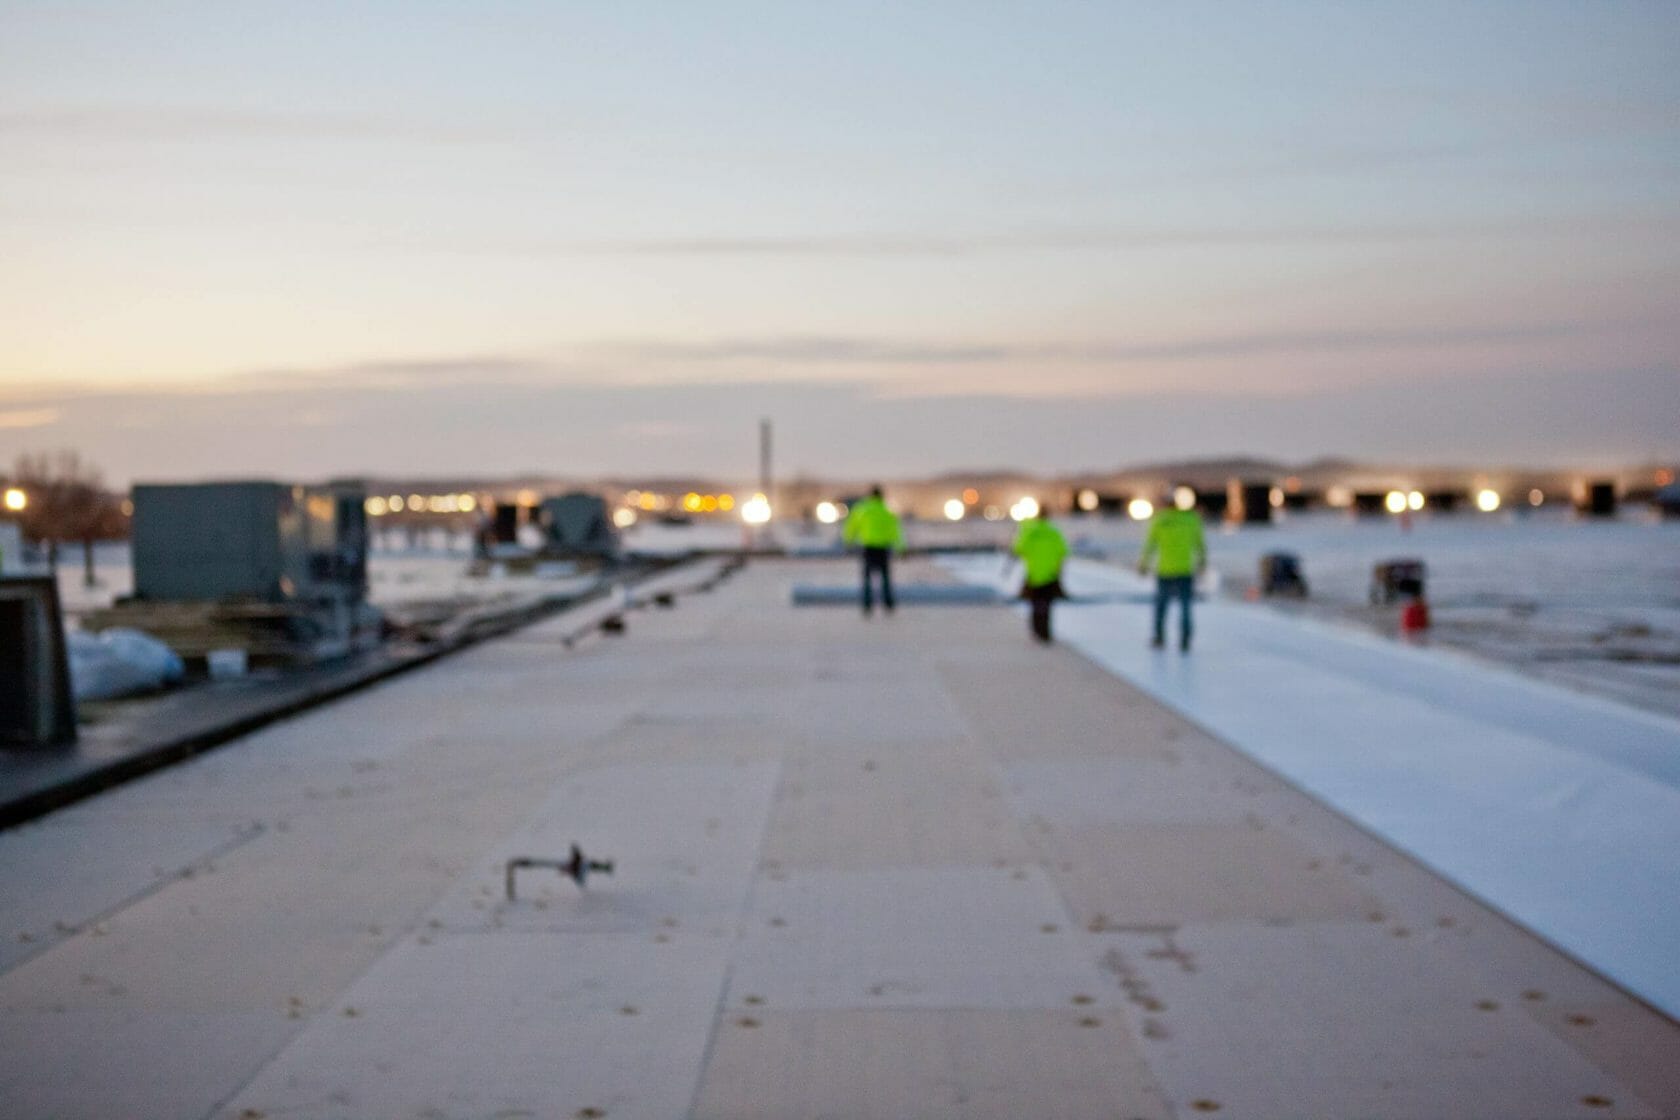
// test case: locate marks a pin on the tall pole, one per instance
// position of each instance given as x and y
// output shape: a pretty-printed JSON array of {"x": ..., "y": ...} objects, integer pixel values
[{"x": 762, "y": 533}]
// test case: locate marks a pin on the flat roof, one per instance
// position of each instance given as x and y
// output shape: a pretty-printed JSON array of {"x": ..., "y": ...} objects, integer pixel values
[{"x": 911, "y": 866}]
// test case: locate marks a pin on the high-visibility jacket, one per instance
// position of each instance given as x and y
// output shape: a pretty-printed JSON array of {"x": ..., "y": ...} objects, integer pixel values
[
  {"x": 1042, "y": 548},
  {"x": 872, "y": 525},
  {"x": 1175, "y": 540}
]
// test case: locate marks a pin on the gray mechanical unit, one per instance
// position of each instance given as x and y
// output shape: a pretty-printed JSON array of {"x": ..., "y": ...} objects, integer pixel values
[
  {"x": 36, "y": 709},
  {"x": 577, "y": 525},
  {"x": 264, "y": 541},
  {"x": 277, "y": 570}
]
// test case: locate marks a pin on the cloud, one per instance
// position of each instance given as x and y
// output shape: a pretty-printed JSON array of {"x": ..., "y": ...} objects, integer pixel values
[
  {"x": 28, "y": 417},
  {"x": 1285, "y": 362},
  {"x": 861, "y": 350},
  {"x": 1327, "y": 342},
  {"x": 392, "y": 375},
  {"x": 398, "y": 373},
  {"x": 448, "y": 429},
  {"x": 654, "y": 429},
  {"x": 1524, "y": 117},
  {"x": 105, "y": 122},
  {"x": 1074, "y": 239},
  {"x": 820, "y": 350}
]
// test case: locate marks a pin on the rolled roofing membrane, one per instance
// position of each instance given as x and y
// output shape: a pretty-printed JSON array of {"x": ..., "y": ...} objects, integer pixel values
[{"x": 1558, "y": 809}]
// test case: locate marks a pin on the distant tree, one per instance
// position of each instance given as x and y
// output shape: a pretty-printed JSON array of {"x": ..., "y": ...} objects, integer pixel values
[{"x": 68, "y": 502}]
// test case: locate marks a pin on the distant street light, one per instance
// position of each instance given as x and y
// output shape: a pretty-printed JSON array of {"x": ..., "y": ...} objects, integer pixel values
[
  {"x": 954, "y": 510},
  {"x": 16, "y": 500},
  {"x": 756, "y": 511}
]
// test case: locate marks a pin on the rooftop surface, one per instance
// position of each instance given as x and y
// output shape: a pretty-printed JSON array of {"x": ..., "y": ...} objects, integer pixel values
[{"x": 914, "y": 866}]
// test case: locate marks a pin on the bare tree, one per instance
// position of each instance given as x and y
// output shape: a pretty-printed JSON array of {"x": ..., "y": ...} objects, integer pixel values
[{"x": 68, "y": 502}]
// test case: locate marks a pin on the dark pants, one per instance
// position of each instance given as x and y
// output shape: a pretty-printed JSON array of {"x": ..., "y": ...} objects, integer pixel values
[
  {"x": 1041, "y": 598},
  {"x": 1166, "y": 589},
  {"x": 877, "y": 560}
]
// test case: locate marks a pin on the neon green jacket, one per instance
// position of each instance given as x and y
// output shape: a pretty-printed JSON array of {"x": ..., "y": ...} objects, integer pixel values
[
  {"x": 1042, "y": 548},
  {"x": 1175, "y": 540},
  {"x": 872, "y": 525}
]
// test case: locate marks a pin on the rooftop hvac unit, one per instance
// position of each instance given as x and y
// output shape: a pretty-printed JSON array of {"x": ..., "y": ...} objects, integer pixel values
[
  {"x": 578, "y": 525},
  {"x": 36, "y": 709},
  {"x": 266, "y": 541}
]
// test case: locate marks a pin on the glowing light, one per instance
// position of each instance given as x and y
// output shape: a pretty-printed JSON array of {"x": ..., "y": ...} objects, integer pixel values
[
  {"x": 1023, "y": 509},
  {"x": 648, "y": 502},
  {"x": 1088, "y": 500},
  {"x": 1184, "y": 497},
  {"x": 1276, "y": 497},
  {"x": 1487, "y": 500},
  {"x": 1338, "y": 497},
  {"x": 1140, "y": 509},
  {"x": 467, "y": 502},
  {"x": 1536, "y": 497},
  {"x": 416, "y": 503},
  {"x": 971, "y": 496},
  {"x": 756, "y": 510},
  {"x": 624, "y": 518},
  {"x": 709, "y": 503},
  {"x": 376, "y": 507},
  {"x": 954, "y": 510},
  {"x": 1664, "y": 476},
  {"x": 993, "y": 513},
  {"x": 1414, "y": 500},
  {"x": 527, "y": 497},
  {"x": 396, "y": 504},
  {"x": 726, "y": 502},
  {"x": 128, "y": 507},
  {"x": 16, "y": 500},
  {"x": 691, "y": 502},
  {"x": 1395, "y": 502},
  {"x": 828, "y": 513}
]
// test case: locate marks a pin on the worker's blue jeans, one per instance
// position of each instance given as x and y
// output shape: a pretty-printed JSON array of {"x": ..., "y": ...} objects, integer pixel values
[
  {"x": 1168, "y": 588},
  {"x": 877, "y": 560}
]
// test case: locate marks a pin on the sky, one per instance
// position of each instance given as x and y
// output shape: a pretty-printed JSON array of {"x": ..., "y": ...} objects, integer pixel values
[{"x": 306, "y": 240}]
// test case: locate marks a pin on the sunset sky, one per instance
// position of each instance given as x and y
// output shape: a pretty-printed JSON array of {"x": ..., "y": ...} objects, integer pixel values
[{"x": 304, "y": 240}]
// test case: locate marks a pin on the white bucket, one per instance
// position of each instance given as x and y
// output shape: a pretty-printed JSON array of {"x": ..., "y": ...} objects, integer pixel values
[{"x": 225, "y": 664}]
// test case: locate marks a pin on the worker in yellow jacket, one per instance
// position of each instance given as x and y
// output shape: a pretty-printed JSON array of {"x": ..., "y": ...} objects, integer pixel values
[
  {"x": 1042, "y": 550},
  {"x": 870, "y": 525},
  {"x": 1176, "y": 546}
]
